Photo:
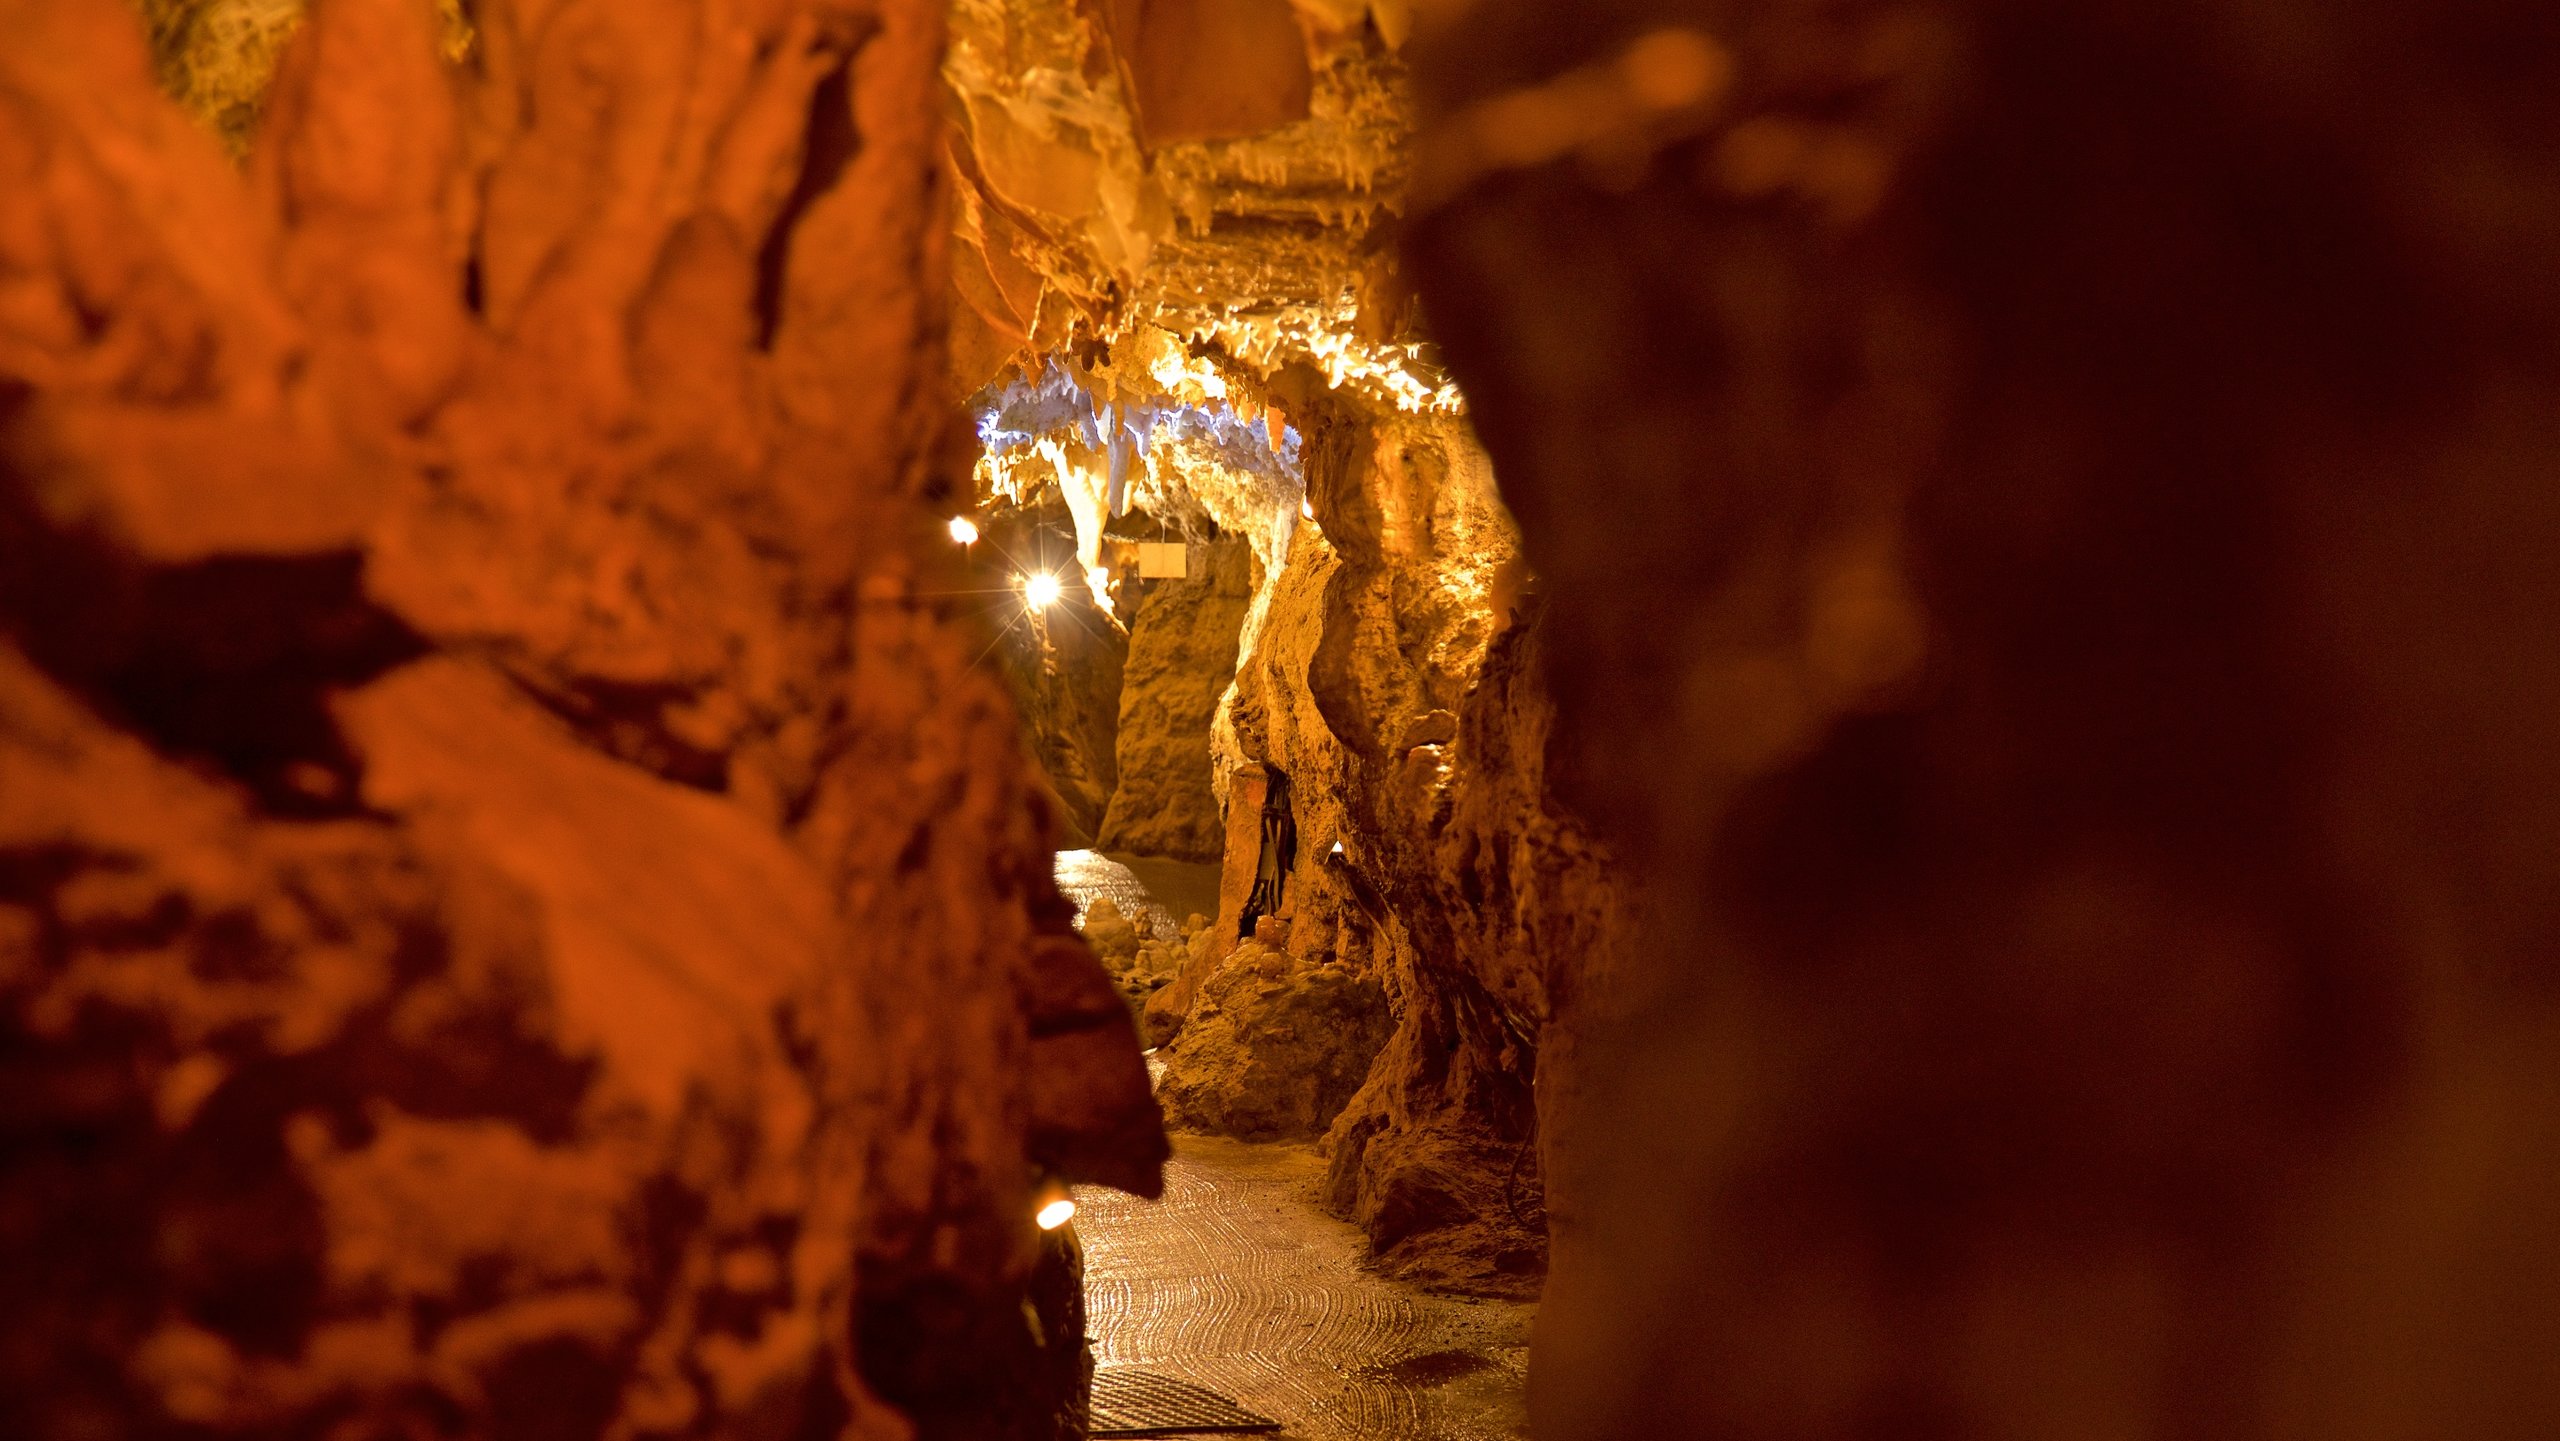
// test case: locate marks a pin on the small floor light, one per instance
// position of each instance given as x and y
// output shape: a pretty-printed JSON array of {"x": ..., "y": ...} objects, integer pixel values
[
  {"x": 1057, "y": 1208},
  {"x": 1040, "y": 591},
  {"x": 964, "y": 530}
]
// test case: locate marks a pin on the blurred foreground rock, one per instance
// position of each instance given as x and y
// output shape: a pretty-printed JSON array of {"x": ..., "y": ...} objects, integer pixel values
[
  {"x": 2045, "y": 524},
  {"x": 478, "y": 786}
]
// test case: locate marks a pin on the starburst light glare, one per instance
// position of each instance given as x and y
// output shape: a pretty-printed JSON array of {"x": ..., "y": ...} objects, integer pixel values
[{"x": 1040, "y": 590}]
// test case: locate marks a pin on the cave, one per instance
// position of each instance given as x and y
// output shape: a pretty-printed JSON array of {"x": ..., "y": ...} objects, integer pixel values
[{"x": 1359, "y": 720}]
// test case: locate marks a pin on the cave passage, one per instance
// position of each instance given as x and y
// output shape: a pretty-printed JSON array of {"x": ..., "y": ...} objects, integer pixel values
[
  {"x": 997, "y": 720},
  {"x": 1165, "y": 604}
]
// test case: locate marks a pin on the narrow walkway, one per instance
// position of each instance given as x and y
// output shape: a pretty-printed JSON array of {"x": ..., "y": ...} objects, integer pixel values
[{"x": 1237, "y": 1281}]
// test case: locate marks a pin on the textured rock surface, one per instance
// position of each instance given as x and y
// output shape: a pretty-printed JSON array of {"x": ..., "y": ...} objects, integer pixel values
[
  {"x": 1387, "y": 682},
  {"x": 1182, "y": 658},
  {"x": 2075, "y": 670},
  {"x": 1161, "y": 1018},
  {"x": 216, "y": 57},
  {"x": 1062, "y": 664},
  {"x": 1114, "y": 940},
  {"x": 477, "y": 778},
  {"x": 1068, "y": 228},
  {"x": 1440, "y": 1157},
  {"x": 1273, "y": 1045}
]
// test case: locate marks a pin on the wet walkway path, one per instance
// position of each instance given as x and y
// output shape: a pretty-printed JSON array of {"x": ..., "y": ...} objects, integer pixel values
[
  {"x": 1237, "y": 1281},
  {"x": 1240, "y": 1282},
  {"x": 1164, "y": 892}
]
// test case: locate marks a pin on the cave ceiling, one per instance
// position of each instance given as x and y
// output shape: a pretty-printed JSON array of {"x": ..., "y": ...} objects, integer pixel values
[
  {"x": 1174, "y": 230},
  {"x": 1228, "y": 174},
  {"x": 1158, "y": 209}
]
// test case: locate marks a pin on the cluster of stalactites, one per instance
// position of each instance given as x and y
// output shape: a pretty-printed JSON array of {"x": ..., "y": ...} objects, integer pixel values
[{"x": 1160, "y": 431}]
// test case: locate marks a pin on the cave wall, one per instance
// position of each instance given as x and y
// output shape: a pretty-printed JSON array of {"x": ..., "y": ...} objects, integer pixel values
[
  {"x": 2044, "y": 518},
  {"x": 1434, "y": 877},
  {"x": 1063, "y": 666},
  {"x": 1183, "y": 640},
  {"x": 483, "y": 762}
]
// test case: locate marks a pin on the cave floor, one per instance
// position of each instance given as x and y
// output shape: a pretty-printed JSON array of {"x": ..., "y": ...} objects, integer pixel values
[
  {"x": 1239, "y": 1282},
  {"x": 1151, "y": 891}
]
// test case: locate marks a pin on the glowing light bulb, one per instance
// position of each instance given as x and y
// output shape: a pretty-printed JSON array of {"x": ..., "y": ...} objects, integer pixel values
[
  {"x": 1307, "y": 508},
  {"x": 1057, "y": 1213},
  {"x": 964, "y": 530},
  {"x": 1040, "y": 591}
]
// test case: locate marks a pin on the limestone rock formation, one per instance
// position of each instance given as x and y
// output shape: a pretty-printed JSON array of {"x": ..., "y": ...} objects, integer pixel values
[
  {"x": 1387, "y": 677},
  {"x": 1440, "y": 1158},
  {"x": 1071, "y": 226},
  {"x": 1274, "y": 1045},
  {"x": 1182, "y": 658},
  {"x": 482, "y": 763},
  {"x": 1167, "y": 1006},
  {"x": 1113, "y": 938},
  {"x": 2045, "y": 525}
]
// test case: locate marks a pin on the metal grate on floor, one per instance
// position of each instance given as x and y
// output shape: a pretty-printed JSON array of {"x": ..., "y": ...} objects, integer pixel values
[{"x": 1131, "y": 1402}]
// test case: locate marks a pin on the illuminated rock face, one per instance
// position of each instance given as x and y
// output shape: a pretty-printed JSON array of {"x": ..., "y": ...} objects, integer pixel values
[
  {"x": 482, "y": 768},
  {"x": 1182, "y": 658},
  {"x": 2080, "y": 688},
  {"x": 1274, "y": 1045},
  {"x": 1391, "y": 680},
  {"x": 1063, "y": 664}
]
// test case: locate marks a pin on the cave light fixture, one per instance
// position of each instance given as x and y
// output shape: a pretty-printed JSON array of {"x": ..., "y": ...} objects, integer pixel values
[
  {"x": 964, "y": 531},
  {"x": 1057, "y": 1208},
  {"x": 1040, "y": 590}
]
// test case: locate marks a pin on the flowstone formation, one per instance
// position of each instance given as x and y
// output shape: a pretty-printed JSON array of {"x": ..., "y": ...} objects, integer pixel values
[
  {"x": 483, "y": 764},
  {"x": 2045, "y": 524}
]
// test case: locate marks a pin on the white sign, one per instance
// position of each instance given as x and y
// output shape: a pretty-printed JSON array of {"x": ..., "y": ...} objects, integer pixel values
[{"x": 1163, "y": 561}]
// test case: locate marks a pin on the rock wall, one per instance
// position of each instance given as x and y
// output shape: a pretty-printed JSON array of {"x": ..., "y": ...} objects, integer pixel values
[
  {"x": 482, "y": 764},
  {"x": 1182, "y": 658},
  {"x": 2045, "y": 520},
  {"x": 1273, "y": 1046},
  {"x": 1434, "y": 873},
  {"x": 1063, "y": 666}
]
